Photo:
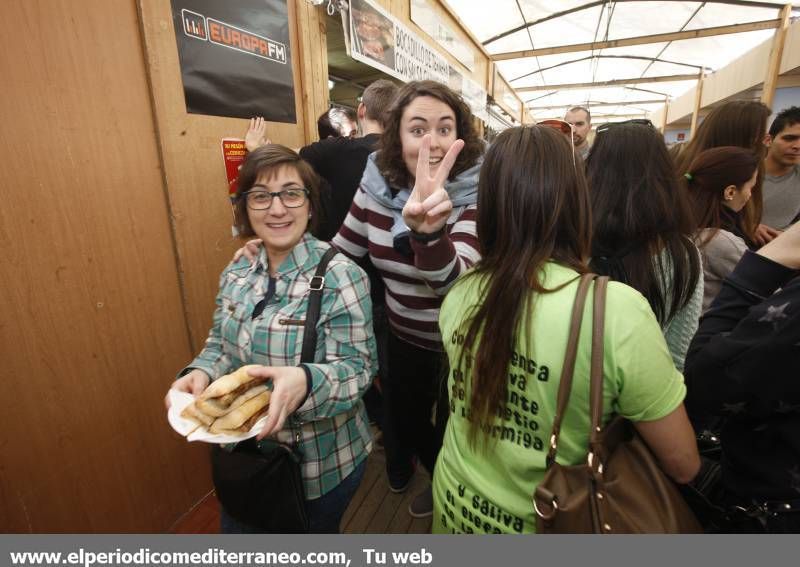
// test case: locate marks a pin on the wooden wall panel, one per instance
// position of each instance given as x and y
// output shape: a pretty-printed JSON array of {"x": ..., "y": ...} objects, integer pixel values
[
  {"x": 502, "y": 90},
  {"x": 743, "y": 73},
  {"x": 92, "y": 328},
  {"x": 740, "y": 75},
  {"x": 483, "y": 61},
  {"x": 402, "y": 11},
  {"x": 313, "y": 77},
  {"x": 791, "y": 51}
]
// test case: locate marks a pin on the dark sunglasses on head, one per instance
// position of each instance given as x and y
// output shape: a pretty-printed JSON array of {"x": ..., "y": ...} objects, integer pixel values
[
  {"x": 608, "y": 125},
  {"x": 564, "y": 127}
]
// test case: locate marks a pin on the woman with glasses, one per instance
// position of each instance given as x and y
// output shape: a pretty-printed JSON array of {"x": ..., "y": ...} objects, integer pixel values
[
  {"x": 506, "y": 333},
  {"x": 261, "y": 310},
  {"x": 643, "y": 227}
]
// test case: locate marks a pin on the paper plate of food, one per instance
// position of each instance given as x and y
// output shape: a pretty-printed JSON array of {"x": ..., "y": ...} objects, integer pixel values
[{"x": 233, "y": 408}]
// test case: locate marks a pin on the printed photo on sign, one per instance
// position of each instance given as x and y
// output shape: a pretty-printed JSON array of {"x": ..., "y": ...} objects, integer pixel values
[
  {"x": 381, "y": 41},
  {"x": 235, "y": 58},
  {"x": 372, "y": 33}
]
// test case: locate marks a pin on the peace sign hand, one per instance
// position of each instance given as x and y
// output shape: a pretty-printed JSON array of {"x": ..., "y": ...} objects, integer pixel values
[{"x": 429, "y": 205}]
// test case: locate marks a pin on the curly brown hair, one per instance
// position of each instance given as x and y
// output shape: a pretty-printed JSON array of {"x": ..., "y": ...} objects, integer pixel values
[{"x": 390, "y": 157}]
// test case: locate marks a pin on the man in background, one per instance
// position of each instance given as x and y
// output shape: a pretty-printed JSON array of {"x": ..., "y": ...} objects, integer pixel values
[
  {"x": 344, "y": 120},
  {"x": 340, "y": 160},
  {"x": 581, "y": 121},
  {"x": 324, "y": 127},
  {"x": 782, "y": 179}
]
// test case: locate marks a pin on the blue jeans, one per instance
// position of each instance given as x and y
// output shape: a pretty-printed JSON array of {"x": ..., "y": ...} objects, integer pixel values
[{"x": 324, "y": 513}]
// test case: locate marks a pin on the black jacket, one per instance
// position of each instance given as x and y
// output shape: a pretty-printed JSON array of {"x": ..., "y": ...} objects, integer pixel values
[
  {"x": 340, "y": 162},
  {"x": 744, "y": 364}
]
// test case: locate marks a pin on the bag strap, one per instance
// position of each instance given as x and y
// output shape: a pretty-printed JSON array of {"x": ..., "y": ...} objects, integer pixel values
[
  {"x": 568, "y": 369},
  {"x": 315, "y": 287},
  {"x": 596, "y": 383}
]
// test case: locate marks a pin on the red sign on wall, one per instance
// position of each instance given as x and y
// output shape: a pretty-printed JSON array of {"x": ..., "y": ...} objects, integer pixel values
[{"x": 233, "y": 153}]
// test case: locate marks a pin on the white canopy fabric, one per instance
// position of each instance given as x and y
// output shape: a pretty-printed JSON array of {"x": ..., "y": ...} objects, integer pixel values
[{"x": 609, "y": 21}]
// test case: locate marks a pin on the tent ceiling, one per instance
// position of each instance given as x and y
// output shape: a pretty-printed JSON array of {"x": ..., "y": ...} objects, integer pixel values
[{"x": 603, "y": 21}]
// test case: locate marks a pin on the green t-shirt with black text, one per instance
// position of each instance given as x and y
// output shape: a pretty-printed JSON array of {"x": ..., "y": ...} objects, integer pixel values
[{"x": 488, "y": 490}]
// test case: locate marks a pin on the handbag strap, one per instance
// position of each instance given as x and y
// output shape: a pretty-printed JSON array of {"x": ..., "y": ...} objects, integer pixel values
[
  {"x": 568, "y": 369},
  {"x": 596, "y": 383},
  {"x": 315, "y": 287}
]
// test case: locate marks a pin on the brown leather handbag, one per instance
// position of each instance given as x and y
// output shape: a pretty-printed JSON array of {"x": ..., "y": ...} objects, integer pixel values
[{"x": 620, "y": 488}]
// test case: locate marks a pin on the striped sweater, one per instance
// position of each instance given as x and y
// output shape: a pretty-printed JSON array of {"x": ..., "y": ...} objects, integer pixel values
[{"x": 415, "y": 285}]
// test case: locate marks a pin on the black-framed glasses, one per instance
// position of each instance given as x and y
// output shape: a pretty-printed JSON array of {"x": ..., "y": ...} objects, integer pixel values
[
  {"x": 261, "y": 199},
  {"x": 608, "y": 125}
]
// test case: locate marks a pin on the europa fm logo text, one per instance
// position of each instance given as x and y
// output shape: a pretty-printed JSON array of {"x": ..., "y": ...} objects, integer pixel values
[{"x": 220, "y": 33}]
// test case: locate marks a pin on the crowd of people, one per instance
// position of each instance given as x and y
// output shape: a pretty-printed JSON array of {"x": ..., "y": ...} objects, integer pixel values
[{"x": 445, "y": 311}]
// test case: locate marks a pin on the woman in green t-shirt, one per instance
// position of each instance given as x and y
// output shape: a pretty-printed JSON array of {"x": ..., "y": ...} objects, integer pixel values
[{"x": 505, "y": 326}]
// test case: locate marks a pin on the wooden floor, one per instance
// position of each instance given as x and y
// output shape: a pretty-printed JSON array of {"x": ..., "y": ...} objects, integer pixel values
[
  {"x": 377, "y": 510},
  {"x": 374, "y": 509}
]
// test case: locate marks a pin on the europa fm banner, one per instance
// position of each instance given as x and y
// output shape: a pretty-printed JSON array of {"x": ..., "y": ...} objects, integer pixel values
[
  {"x": 235, "y": 58},
  {"x": 380, "y": 41}
]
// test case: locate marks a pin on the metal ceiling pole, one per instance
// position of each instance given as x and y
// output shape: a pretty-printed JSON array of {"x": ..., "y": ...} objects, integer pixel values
[
  {"x": 640, "y": 40},
  {"x": 666, "y": 95},
  {"x": 683, "y": 27},
  {"x": 743, "y": 3},
  {"x": 615, "y": 82},
  {"x": 588, "y": 57},
  {"x": 545, "y": 19},
  {"x": 600, "y": 103}
]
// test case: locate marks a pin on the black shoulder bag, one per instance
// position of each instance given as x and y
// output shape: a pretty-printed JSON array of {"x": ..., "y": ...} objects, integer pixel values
[{"x": 259, "y": 484}]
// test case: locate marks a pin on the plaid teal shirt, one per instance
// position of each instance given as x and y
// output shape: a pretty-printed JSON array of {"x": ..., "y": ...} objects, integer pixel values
[{"x": 331, "y": 427}]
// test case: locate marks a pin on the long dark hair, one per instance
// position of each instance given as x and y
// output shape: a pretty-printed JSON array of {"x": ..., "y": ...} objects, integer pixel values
[
  {"x": 533, "y": 206},
  {"x": 641, "y": 210},
  {"x": 740, "y": 123},
  {"x": 708, "y": 176},
  {"x": 390, "y": 157}
]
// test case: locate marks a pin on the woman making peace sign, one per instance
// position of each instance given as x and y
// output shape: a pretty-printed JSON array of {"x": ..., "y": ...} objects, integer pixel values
[{"x": 414, "y": 216}]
